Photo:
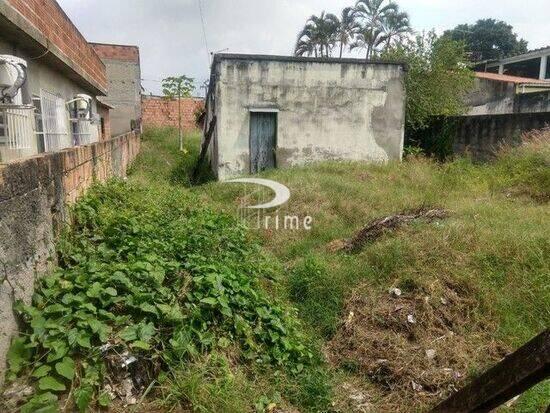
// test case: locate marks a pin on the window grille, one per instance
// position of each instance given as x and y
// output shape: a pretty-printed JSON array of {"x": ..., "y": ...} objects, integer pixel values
[
  {"x": 38, "y": 124},
  {"x": 16, "y": 126},
  {"x": 54, "y": 121}
]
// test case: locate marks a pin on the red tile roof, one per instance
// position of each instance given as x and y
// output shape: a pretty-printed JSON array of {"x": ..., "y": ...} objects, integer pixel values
[{"x": 508, "y": 78}]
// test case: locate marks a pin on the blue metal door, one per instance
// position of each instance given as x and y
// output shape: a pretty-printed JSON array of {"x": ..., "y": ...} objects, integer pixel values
[{"x": 263, "y": 140}]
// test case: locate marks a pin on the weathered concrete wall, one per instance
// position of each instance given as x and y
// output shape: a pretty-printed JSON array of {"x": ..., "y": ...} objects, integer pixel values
[
  {"x": 490, "y": 97},
  {"x": 481, "y": 136},
  {"x": 327, "y": 109},
  {"x": 159, "y": 111},
  {"x": 124, "y": 84},
  {"x": 533, "y": 102},
  {"x": 34, "y": 193}
]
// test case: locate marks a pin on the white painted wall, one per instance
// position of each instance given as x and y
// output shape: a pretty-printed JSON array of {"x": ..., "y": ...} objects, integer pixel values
[{"x": 328, "y": 110}]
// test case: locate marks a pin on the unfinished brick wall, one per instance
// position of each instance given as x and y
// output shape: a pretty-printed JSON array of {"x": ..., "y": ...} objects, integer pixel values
[
  {"x": 34, "y": 194},
  {"x": 117, "y": 52},
  {"x": 50, "y": 19},
  {"x": 158, "y": 111}
]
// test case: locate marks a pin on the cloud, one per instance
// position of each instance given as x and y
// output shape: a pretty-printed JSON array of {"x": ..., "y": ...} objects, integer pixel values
[{"x": 169, "y": 32}]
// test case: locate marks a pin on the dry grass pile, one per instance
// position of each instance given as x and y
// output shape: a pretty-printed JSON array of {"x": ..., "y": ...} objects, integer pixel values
[{"x": 413, "y": 346}]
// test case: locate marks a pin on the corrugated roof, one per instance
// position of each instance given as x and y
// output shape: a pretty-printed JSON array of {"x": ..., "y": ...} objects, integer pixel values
[{"x": 511, "y": 79}]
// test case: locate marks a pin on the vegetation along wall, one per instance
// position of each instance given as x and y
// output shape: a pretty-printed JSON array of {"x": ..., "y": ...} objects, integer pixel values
[{"x": 34, "y": 194}]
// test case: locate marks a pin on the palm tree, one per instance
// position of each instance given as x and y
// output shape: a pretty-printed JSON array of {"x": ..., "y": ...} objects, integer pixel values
[
  {"x": 347, "y": 28},
  {"x": 373, "y": 14},
  {"x": 318, "y": 36},
  {"x": 368, "y": 38},
  {"x": 396, "y": 27},
  {"x": 307, "y": 42}
]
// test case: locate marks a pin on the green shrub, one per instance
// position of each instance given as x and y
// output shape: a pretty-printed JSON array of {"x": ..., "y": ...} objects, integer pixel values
[{"x": 155, "y": 275}]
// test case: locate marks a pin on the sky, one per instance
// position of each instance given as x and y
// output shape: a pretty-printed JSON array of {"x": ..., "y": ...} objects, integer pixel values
[{"x": 172, "y": 42}]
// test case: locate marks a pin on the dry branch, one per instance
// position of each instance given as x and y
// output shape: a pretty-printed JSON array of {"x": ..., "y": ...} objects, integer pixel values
[{"x": 378, "y": 227}]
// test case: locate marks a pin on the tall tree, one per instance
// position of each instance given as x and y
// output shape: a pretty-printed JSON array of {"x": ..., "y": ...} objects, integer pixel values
[
  {"x": 437, "y": 78},
  {"x": 347, "y": 28},
  {"x": 373, "y": 15},
  {"x": 488, "y": 39},
  {"x": 306, "y": 43},
  {"x": 368, "y": 38},
  {"x": 396, "y": 27},
  {"x": 318, "y": 35},
  {"x": 176, "y": 87}
]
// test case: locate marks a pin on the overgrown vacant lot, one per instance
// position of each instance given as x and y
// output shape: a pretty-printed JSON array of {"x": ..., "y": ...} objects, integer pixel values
[{"x": 228, "y": 320}]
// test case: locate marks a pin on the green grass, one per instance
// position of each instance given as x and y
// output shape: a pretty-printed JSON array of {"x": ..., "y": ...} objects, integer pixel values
[{"x": 496, "y": 238}]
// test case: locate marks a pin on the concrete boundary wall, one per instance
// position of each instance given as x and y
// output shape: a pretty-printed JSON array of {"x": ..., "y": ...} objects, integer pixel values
[
  {"x": 160, "y": 112},
  {"x": 34, "y": 194},
  {"x": 481, "y": 136}
]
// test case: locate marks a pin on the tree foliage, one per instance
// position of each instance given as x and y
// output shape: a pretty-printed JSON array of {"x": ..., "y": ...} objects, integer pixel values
[
  {"x": 177, "y": 86},
  {"x": 372, "y": 25},
  {"x": 318, "y": 36},
  {"x": 436, "y": 80},
  {"x": 488, "y": 39}
]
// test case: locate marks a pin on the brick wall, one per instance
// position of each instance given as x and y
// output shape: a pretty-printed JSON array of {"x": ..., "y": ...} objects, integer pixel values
[
  {"x": 34, "y": 194},
  {"x": 158, "y": 111},
  {"x": 116, "y": 52},
  {"x": 50, "y": 19}
]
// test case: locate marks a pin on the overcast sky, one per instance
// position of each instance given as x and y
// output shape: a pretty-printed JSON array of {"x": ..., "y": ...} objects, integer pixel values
[{"x": 170, "y": 36}]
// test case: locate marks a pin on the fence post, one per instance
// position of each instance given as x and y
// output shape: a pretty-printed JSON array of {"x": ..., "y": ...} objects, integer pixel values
[{"x": 515, "y": 374}]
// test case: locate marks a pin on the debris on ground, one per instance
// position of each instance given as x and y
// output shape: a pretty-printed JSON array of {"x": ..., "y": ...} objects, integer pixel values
[
  {"x": 129, "y": 374},
  {"x": 378, "y": 227},
  {"x": 16, "y": 393},
  {"x": 351, "y": 398},
  {"x": 413, "y": 348},
  {"x": 395, "y": 292}
]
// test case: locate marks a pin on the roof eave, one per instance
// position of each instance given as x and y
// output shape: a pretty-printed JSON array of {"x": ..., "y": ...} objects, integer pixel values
[{"x": 20, "y": 31}]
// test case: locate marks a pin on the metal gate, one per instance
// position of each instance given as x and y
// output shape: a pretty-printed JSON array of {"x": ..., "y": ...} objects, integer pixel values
[{"x": 54, "y": 120}]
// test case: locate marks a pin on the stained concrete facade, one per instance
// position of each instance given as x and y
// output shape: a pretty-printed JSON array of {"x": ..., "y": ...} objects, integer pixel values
[{"x": 335, "y": 109}]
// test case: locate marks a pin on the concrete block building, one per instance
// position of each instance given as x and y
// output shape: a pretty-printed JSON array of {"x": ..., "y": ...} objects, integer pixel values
[
  {"x": 122, "y": 64},
  {"x": 279, "y": 111},
  {"x": 495, "y": 94},
  {"x": 64, "y": 76},
  {"x": 534, "y": 65}
]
